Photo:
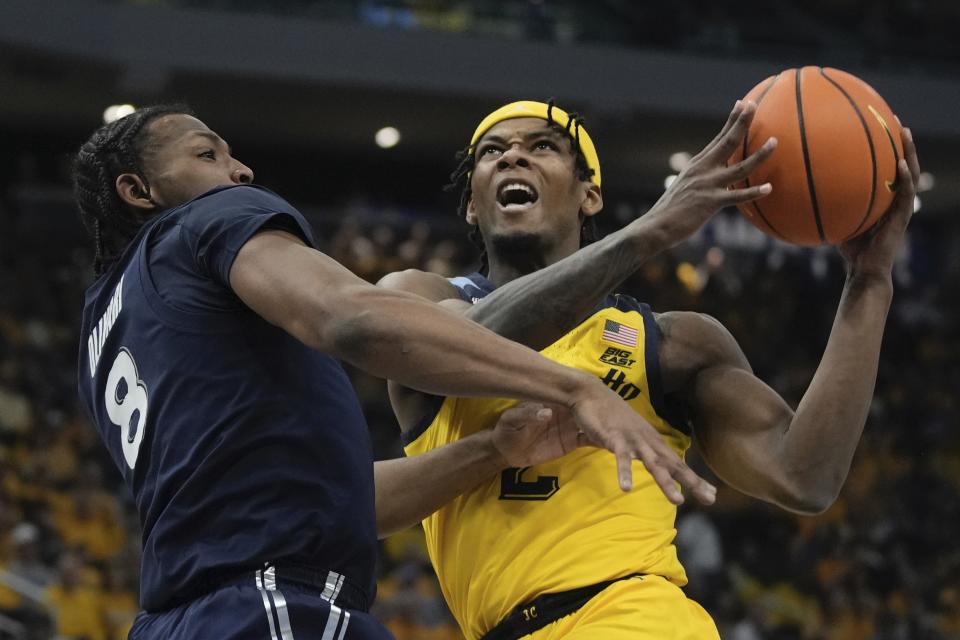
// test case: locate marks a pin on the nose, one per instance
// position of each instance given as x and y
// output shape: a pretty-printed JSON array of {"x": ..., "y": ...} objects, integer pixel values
[
  {"x": 242, "y": 174},
  {"x": 511, "y": 157}
]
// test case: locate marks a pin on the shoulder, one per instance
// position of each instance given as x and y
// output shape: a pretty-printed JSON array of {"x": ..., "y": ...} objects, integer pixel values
[
  {"x": 232, "y": 204},
  {"x": 245, "y": 195},
  {"x": 240, "y": 211},
  {"x": 422, "y": 283},
  {"x": 692, "y": 342}
]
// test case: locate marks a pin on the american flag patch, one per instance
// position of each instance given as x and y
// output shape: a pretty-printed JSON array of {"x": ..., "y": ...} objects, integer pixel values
[{"x": 620, "y": 333}]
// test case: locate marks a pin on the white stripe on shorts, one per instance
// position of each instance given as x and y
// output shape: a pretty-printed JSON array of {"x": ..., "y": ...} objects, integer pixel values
[
  {"x": 286, "y": 631},
  {"x": 336, "y": 592},
  {"x": 266, "y": 605},
  {"x": 330, "y": 630},
  {"x": 332, "y": 586},
  {"x": 346, "y": 621},
  {"x": 274, "y": 601}
]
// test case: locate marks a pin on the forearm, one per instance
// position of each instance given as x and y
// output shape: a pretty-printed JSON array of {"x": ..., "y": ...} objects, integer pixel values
[
  {"x": 392, "y": 334},
  {"x": 425, "y": 347},
  {"x": 539, "y": 308},
  {"x": 410, "y": 489},
  {"x": 818, "y": 446}
]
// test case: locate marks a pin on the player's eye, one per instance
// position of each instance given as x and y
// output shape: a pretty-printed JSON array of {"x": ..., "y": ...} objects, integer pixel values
[
  {"x": 539, "y": 145},
  {"x": 209, "y": 153},
  {"x": 488, "y": 150}
]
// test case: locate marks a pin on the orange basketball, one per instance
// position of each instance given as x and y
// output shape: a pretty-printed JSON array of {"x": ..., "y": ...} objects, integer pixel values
[{"x": 834, "y": 171}]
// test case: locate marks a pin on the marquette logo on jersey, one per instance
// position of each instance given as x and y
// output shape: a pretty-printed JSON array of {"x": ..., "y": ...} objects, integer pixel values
[
  {"x": 617, "y": 381},
  {"x": 513, "y": 486},
  {"x": 618, "y": 357},
  {"x": 620, "y": 334}
]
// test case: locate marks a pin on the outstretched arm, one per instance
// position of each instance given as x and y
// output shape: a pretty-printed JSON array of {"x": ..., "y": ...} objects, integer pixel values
[
  {"x": 410, "y": 489},
  {"x": 406, "y": 338},
  {"x": 747, "y": 433},
  {"x": 539, "y": 308}
]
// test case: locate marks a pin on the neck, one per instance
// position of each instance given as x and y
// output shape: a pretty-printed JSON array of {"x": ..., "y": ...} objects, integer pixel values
[{"x": 512, "y": 257}]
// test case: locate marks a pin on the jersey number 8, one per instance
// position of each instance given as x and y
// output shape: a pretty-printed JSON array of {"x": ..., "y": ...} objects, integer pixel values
[{"x": 126, "y": 402}]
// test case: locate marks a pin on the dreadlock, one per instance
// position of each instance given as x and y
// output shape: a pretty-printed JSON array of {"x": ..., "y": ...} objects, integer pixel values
[
  {"x": 118, "y": 147},
  {"x": 466, "y": 160}
]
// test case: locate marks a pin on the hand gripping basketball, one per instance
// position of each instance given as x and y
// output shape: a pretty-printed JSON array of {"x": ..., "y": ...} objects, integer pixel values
[
  {"x": 706, "y": 185},
  {"x": 874, "y": 252}
]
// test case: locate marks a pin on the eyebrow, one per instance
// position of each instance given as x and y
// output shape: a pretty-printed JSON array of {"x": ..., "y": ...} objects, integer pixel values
[
  {"x": 210, "y": 135},
  {"x": 545, "y": 132}
]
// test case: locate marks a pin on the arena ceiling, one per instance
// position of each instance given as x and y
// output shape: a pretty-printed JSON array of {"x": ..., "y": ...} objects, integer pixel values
[{"x": 272, "y": 81}]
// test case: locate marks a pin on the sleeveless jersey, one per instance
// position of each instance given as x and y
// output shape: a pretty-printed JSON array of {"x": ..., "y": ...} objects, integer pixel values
[
  {"x": 564, "y": 524},
  {"x": 240, "y": 444}
]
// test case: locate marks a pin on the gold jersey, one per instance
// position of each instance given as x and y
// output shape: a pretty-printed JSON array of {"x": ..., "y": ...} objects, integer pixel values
[{"x": 564, "y": 524}]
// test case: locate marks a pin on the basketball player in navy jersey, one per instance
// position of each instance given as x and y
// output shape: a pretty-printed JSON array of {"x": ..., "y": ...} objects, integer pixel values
[{"x": 207, "y": 363}]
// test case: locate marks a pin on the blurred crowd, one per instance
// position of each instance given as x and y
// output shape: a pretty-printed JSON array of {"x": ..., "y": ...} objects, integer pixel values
[{"x": 882, "y": 564}]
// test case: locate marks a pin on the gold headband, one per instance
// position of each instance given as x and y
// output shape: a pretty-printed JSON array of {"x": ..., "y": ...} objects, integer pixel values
[{"x": 531, "y": 109}]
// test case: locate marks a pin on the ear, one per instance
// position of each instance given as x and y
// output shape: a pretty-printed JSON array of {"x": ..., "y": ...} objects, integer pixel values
[
  {"x": 134, "y": 192},
  {"x": 592, "y": 201},
  {"x": 471, "y": 215}
]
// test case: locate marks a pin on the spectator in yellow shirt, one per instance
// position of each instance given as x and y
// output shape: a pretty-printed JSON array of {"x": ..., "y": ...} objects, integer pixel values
[{"x": 78, "y": 608}]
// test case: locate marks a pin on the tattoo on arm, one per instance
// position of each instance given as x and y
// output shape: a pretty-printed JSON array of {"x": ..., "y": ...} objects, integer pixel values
[{"x": 539, "y": 308}]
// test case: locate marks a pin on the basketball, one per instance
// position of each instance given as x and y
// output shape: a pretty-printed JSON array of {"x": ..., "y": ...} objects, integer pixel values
[{"x": 834, "y": 171}]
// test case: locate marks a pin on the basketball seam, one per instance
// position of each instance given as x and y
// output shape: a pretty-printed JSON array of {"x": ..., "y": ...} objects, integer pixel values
[
  {"x": 746, "y": 180},
  {"x": 806, "y": 161},
  {"x": 873, "y": 154},
  {"x": 896, "y": 156}
]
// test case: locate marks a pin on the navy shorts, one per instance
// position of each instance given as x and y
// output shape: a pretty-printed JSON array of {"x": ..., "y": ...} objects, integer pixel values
[{"x": 260, "y": 607}]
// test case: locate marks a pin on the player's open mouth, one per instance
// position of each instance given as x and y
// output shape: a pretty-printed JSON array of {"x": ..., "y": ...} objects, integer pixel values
[{"x": 516, "y": 196}]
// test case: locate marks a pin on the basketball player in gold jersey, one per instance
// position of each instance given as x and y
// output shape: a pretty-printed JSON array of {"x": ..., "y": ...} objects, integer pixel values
[{"x": 558, "y": 550}]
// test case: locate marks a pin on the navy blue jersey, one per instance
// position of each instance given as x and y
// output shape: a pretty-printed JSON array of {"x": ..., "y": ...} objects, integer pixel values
[{"x": 240, "y": 444}]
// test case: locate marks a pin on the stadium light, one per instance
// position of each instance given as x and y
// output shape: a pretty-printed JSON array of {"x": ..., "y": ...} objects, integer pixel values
[
  {"x": 117, "y": 111},
  {"x": 387, "y": 137}
]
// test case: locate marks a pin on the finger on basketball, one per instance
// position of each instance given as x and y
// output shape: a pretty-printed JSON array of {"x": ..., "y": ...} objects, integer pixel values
[
  {"x": 731, "y": 120},
  {"x": 739, "y": 171},
  {"x": 738, "y": 196},
  {"x": 733, "y": 138},
  {"x": 903, "y": 206},
  {"x": 910, "y": 154}
]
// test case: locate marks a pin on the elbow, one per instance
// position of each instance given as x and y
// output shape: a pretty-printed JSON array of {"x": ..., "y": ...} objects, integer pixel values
[
  {"x": 351, "y": 336},
  {"x": 808, "y": 504},
  {"x": 350, "y": 327},
  {"x": 808, "y": 497}
]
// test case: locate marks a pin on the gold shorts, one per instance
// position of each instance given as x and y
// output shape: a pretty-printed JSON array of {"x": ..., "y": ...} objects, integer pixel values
[{"x": 642, "y": 608}]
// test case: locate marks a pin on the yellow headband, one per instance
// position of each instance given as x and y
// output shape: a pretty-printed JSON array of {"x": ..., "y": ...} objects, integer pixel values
[{"x": 530, "y": 109}]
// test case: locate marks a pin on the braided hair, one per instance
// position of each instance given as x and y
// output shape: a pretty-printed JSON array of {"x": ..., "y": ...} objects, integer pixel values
[
  {"x": 116, "y": 148},
  {"x": 466, "y": 160}
]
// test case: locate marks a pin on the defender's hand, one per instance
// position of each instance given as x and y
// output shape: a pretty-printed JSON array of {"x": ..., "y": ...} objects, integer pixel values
[
  {"x": 704, "y": 186},
  {"x": 609, "y": 422},
  {"x": 531, "y": 433},
  {"x": 874, "y": 253}
]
